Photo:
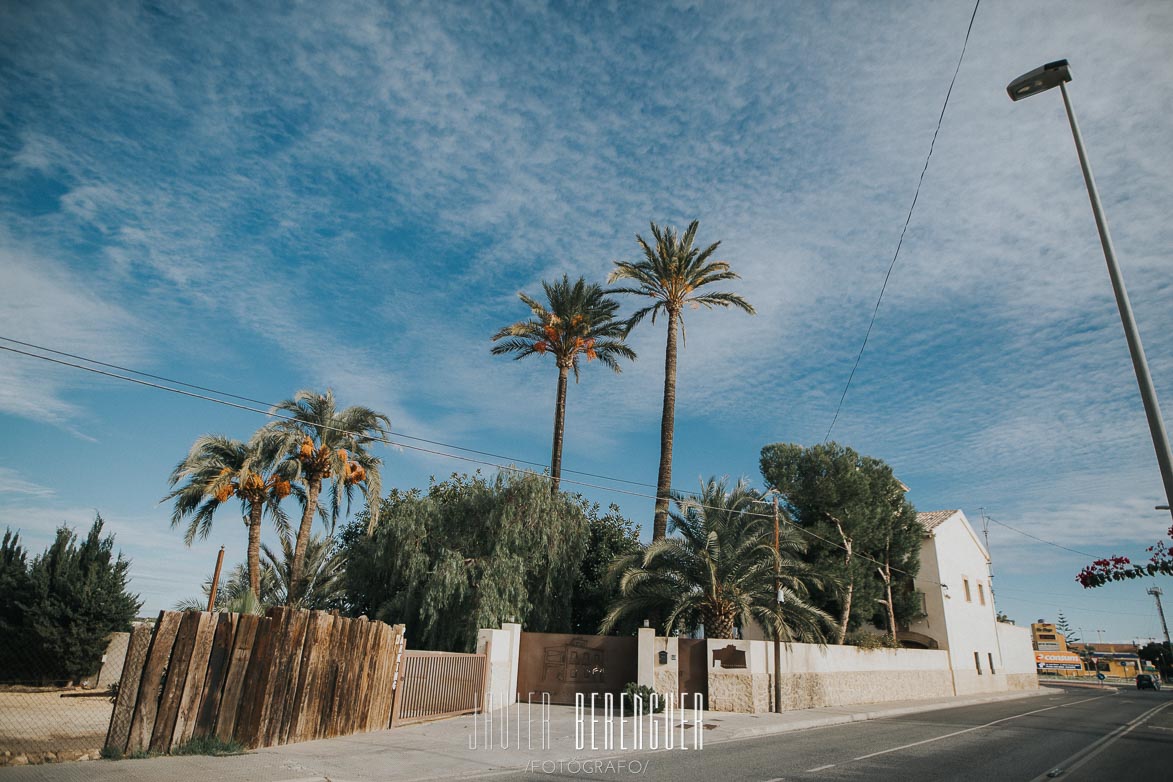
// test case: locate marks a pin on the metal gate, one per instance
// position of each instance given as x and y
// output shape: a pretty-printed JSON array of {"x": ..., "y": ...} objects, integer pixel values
[
  {"x": 694, "y": 669},
  {"x": 438, "y": 684},
  {"x": 563, "y": 665}
]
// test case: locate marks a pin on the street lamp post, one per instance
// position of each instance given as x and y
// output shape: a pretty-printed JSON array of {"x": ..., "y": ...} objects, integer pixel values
[{"x": 1057, "y": 74}]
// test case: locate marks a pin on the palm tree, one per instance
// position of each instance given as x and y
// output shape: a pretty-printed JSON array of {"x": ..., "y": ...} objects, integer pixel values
[
  {"x": 218, "y": 468},
  {"x": 324, "y": 443},
  {"x": 671, "y": 274},
  {"x": 234, "y": 595},
  {"x": 579, "y": 321},
  {"x": 323, "y": 567},
  {"x": 720, "y": 572}
]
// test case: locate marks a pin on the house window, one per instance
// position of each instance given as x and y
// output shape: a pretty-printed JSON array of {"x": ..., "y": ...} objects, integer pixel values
[
  {"x": 981, "y": 595},
  {"x": 977, "y": 661},
  {"x": 965, "y": 583},
  {"x": 991, "y": 656}
]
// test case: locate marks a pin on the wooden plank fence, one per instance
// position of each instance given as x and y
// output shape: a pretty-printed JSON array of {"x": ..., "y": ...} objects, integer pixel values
[{"x": 287, "y": 676}]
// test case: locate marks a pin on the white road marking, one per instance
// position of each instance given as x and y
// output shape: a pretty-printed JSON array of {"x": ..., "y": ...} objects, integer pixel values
[
  {"x": 1090, "y": 751},
  {"x": 976, "y": 727},
  {"x": 820, "y": 768}
]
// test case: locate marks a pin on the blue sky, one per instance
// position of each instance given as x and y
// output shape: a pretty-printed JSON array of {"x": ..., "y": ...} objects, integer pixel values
[{"x": 351, "y": 195}]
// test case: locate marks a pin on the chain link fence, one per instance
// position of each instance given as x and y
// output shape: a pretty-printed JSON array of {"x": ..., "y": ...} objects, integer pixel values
[{"x": 43, "y": 720}]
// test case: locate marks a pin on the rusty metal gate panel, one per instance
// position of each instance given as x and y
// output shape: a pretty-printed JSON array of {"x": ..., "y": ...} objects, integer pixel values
[
  {"x": 694, "y": 669},
  {"x": 563, "y": 665},
  {"x": 432, "y": 685}
]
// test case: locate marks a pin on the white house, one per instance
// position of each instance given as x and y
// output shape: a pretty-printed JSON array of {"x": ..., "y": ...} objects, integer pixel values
[{"x": 958, "y": 610}]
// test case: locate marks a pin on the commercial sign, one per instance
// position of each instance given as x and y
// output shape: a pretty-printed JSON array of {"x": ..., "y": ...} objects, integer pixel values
[{"x": 1058, "y": 661}]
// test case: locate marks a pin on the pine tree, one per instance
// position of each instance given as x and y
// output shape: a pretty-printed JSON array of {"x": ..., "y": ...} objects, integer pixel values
[
  {"x": 57, "y": 616},
  {"x": 1063, "y": 627}
]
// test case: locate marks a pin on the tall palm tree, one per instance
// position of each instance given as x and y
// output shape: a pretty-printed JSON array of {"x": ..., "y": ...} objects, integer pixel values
[
  {"x": 720, "y": 572},
  {"x": 325, "y": 443},
  {"x": 671, "y": 274},
  {"x": 218, "y": 468},
  {"x": 578, "y": 321}
]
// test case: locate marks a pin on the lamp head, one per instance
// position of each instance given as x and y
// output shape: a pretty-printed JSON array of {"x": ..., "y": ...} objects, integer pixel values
[{"x": 1039, "y": 80}]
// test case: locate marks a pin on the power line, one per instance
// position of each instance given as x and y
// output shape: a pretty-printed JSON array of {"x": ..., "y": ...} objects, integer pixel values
[
  {"x": 229, "y": 395},
  {"x": 907, "y": 220},
  {"x": 386, "y": 440},
  {"x": 1042, "y": 540},
  {"x": 1014, "y": 599}
]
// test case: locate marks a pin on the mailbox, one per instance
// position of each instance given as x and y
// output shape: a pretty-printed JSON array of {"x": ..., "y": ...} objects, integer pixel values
[{"x": 663, "y": 658}]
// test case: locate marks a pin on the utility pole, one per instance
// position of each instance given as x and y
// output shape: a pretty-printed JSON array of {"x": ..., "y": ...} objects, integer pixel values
[
  {"x": 1156, "y": 593},
  {"x": 777, "y": 632},
  {"x": 215, "y": 581},
  {"x": 986, "y": 535}
]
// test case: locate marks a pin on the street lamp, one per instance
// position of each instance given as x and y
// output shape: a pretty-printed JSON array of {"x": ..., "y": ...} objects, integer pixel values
[{"x": 1040, "y": 80}]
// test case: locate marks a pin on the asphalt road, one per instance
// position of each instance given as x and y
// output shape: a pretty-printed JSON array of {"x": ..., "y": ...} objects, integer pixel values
[{"x": 1074, "y": 734}]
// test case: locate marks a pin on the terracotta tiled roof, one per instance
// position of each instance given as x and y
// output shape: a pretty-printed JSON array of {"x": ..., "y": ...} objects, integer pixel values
[{"x": 934, "y": 518}]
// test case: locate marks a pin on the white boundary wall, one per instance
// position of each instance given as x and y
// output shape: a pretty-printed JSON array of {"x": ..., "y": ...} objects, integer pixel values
[{"x": 814, "y": 676}]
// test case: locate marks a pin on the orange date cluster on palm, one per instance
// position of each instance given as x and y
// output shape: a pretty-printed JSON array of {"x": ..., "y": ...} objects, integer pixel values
[
  {"x": 253, "y": 487},
  {"x": 316, "y": 461}
]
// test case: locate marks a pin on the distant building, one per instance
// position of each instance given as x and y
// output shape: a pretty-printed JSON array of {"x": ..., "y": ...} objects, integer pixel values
[
  {"x": 1047, "y": 638},
  {"x": 1051, "y": 652},
  {"x": 1111, "y": 659}
]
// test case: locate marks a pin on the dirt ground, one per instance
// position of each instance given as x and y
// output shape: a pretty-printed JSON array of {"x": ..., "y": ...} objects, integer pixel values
[{"x": 34, "y": 724}]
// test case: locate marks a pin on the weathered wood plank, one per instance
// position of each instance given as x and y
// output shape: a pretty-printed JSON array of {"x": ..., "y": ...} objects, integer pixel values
[
  {"x": 310, "y": 649},
  {"x": 321, "y": 671},
  {"x": 242, "y": 645},
  {"x": 197, "y": 674},
  {"x": 256, "y": 680},
  {"x": 342, "y": 705},
  {"x": 278, "y": 679},
  {"x": 176, "y": 678},
  {"x": 360, "y": 680},
  {"x": 142, "y": 724},
  {"x": 128, "y": 683},
  {"x": 263, "y": 692},
  {"x": 218, "y": 659},
  {"x": 279, "y": 733}
]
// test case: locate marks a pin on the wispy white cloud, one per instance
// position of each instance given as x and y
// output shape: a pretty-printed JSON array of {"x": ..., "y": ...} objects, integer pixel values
[
  {"x": 11, "y": 482},
  {"x": 352, "y": 195}
]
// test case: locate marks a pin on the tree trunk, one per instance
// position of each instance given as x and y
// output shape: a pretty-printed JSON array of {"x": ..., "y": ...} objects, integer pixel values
[
  {"x": 887, "y": 575},
  {"x": 845, "y": 615},
  {"x": 719, "y": 622},
  {"x": 254, "y": 548},
  {"x": 559, "y": 426},
  {"x": 313, "y": 489},
  {"x": 667, "y": 429}
]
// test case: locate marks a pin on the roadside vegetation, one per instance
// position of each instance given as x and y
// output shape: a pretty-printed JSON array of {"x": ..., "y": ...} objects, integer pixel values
[{"x": 472, "y": 551}]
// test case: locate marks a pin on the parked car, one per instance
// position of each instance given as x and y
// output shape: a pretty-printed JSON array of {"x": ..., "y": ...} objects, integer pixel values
[{"x": 1148, "y": 681}]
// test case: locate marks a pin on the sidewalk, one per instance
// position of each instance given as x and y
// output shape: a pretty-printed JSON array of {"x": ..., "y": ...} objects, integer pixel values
[{"x": 441, "y": 750}]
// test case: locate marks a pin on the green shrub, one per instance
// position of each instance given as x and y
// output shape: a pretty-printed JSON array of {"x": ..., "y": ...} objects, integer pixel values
[
  {"x": 871, "y": 641},
  {"x": 645, "y": 693},
  {"x": 208, "y": 745}
]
